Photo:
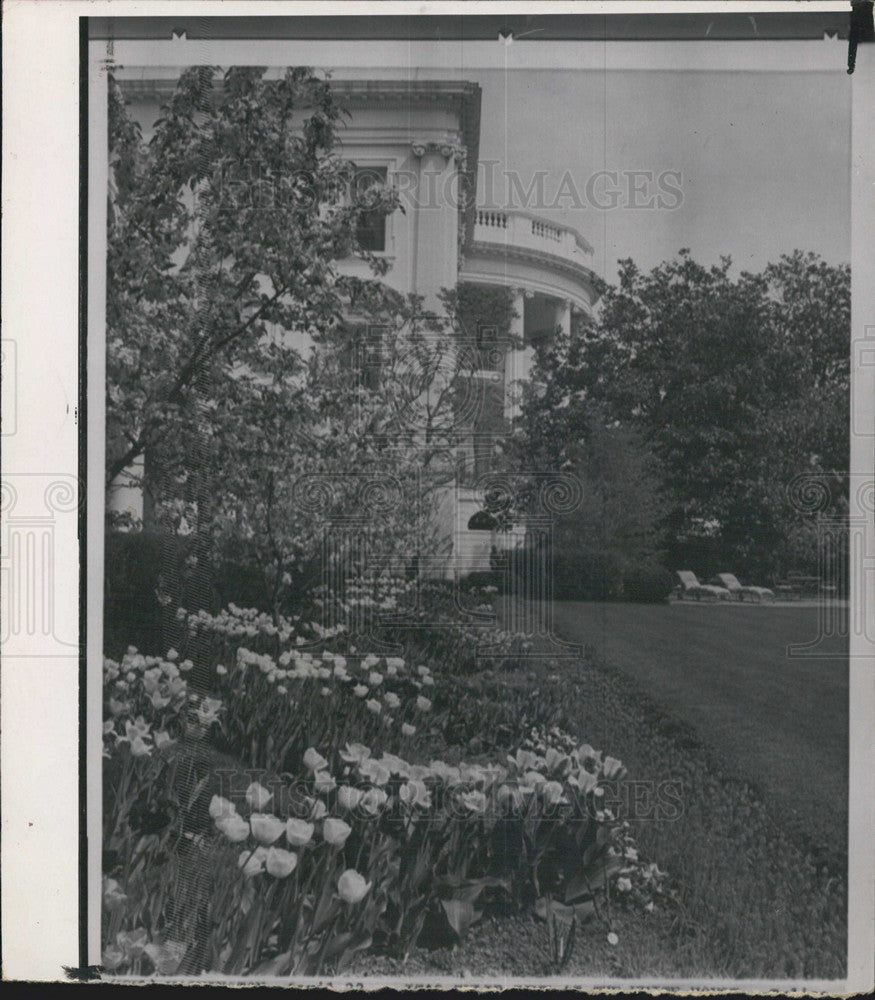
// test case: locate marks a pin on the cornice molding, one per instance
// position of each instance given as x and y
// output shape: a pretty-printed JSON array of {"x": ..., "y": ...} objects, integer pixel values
[{"x": 538, "y": 257}]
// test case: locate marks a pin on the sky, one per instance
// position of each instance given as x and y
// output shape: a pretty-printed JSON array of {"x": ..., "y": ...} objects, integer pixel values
[{"x": 760, "y": 160}]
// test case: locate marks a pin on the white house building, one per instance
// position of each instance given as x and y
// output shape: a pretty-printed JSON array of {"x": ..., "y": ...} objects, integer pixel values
[{"x": 422, "y": 137}]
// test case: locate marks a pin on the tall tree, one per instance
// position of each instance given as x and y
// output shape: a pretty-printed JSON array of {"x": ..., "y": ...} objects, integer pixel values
[
  {"x": 225, "y": 227},
  {"x": 737, "y": 384}
]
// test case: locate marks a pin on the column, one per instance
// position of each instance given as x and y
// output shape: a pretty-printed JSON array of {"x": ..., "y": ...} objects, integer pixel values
[
  {"x": 563, "y": 316},
  {"x": 437, "y": 221},
  {"x": 515, "y": 360}
]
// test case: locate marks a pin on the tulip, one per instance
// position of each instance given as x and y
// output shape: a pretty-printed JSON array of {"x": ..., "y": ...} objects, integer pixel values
[
  {"x": 113, "y": 897},
  {"x": 166, "y": 957},
  {"x": 533, "y": 778},
  {"x": 352, "y": 887},
  {"x": 612, "y": 768},
  {"x": 375, "y": 678},
  {"x": 423, "y": 704},
  {"x": 317, "y": 808},
  {"x": 335, "y": 831},
  {"x": 323, "y": 783},
  {"x": 407, "y": 729},
  {"x": 314, "y": 761},
  {"x": 280, "y": 863},
  {"x": 375, "y": 771},
  {"x": 112, "y": 958},
  {"x": 132, "y": 943},
  {"x": 552, "y": 792},
  {"x": 373, "y": 800},
  {"x": 392, "y": 699},
  {"x": 139, "y": 727},
  {"x": 414, "y": 793},
  {"x": 252, "y": 862},
  {"x": 233, "y": 827},
  {"x": 348, "y": 798},
  {"x": 299, "y": 832},
  {"x": 395, "y": 765},
  {"x": 220, "y": 807},
  {"x": 163, "y": 739},
  {"x": 360, "y": 690},
  {"x": 475, "y": 801},
  {"x": 372, "y": 705},
  {"x": 139, "y": 748},
  {"x": 257, "y": 796},
  {"x": 514, "y": 795},
  {"x": 354, "y": 753},
  {"x": 583, "y": 780},
  {"x": 266, "y": 828}
]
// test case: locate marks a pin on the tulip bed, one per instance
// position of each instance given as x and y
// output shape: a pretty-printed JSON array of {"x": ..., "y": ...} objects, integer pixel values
[{"x": 277, "y": 800}]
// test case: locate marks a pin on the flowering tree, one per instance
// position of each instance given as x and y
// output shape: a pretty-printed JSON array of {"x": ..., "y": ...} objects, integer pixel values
[
  {"x": 225, "y": 226},
  {"x": 244, "y": 368}
]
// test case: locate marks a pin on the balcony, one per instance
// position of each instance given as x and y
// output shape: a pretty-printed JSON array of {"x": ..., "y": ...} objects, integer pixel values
[
  {"x": 519, "y": 249},
  {"x": 523, "y": 230}
]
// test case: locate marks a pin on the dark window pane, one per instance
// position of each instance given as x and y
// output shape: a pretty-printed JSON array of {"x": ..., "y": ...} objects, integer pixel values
[{"x": 371, "y": 228}]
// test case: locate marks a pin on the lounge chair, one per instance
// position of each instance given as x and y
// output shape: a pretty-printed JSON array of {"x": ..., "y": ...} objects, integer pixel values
[
  {"x": 690, "y": 587},
  {"x": 740, "y": 593}
]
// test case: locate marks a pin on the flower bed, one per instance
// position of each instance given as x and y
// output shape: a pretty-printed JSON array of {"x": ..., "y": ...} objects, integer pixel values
[{"x": 291, "y": 812}]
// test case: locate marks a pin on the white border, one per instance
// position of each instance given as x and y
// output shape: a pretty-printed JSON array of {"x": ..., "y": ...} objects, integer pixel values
[{"x": 40, "y": 271}]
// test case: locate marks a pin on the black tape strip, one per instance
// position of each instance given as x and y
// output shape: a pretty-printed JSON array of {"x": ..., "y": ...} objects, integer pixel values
[{"x": 862, "y": 29}]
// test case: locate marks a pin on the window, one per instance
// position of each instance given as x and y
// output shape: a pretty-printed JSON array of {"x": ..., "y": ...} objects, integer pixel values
[
  {"x": 370, "y": 230},
  {"x": 482, "y": 521},
  {"x": 490, "y": 356}
]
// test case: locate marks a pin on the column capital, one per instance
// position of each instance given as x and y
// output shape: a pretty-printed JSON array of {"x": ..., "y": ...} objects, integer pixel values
[{"x": 448, "y": 149}]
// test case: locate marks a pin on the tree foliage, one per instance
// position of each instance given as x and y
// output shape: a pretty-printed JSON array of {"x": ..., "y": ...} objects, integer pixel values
[
  {"x": 244, "y": 362},
  {"x": 225, "y": 226},
  {"x": 736, "y": 384}
]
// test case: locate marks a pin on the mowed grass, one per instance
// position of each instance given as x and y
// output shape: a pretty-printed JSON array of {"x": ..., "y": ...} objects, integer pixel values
[
  {"x": 723, "y": 672},
  {"x": 750, "y": 900}
]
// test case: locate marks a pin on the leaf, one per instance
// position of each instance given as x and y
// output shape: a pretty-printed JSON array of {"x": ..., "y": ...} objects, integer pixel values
[
  {"x": 279, "y": 965},
  {"x": 198, "y": 788},
  {"x": 593, "y": 879},
  {"x": 581, "y": 911},
  {"x": 460, "y": 915}
]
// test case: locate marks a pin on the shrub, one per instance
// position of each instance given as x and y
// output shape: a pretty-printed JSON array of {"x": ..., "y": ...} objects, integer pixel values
[
  {"x": 145, "y": 573},
  {"x": 585, "y": 577},
  {"x": 648, "y": 584}
]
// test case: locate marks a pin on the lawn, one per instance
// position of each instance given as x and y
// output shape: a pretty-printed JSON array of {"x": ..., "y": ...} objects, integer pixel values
[{"x": 776, "y": 721}]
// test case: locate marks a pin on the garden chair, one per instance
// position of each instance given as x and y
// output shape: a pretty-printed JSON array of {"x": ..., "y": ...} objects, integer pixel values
[
  {"x": 741, "y": 593},
  {"x": 691, "y": 587}
]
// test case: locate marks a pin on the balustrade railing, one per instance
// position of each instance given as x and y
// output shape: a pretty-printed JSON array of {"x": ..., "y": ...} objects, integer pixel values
[{"x": 524, "y": 230}]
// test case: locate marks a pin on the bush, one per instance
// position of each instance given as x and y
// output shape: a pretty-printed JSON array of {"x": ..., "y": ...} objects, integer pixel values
[
  {"x": 147, "y": 576},
  {"x": 584, "y": 577},
  {"x": 648, "y": 584}
]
